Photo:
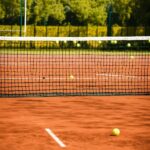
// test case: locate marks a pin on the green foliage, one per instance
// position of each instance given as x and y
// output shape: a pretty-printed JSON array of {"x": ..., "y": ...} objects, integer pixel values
[
  {"x": 82, "y": 9},
  {"x": 79, "y": 12},
  {"x": 143, "y": 12},
  {"x": 125, "y": 9},
  {"x": 10, "y": 9},
  {"x": 42, "y": 10},
  {"x": 65, "y": 31},
  {"x": 2, "y": 12}
]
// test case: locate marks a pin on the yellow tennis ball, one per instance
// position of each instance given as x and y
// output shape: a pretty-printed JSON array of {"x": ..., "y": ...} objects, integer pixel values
[
  {"x": 71, "y": 77},
  {"x": 115, "y": 42},
  {"x": 129, "y": 45},
  {"x": 132, "y": 57},
  {"x": 115, "y": 132},
  {"x": 78, "y": 45},
  {"x": 100, "y": 42}
]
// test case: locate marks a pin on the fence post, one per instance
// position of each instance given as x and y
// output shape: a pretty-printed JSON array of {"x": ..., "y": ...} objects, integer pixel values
[
  {"x": 87, "y": 32},
  {"x": 78, "y": 30},
  {"x": 97, "y": 31},
  {"x": 126, "y": 31},
  {"x": 135, "y": 30},
  {"x": 58, "y": 30},
  {"x": 46, "y": 30},
  {"x": 109, "y": 20},
  {"x": 34, "y": 30},
  {"x": 11, "y": 30},
  {"x": 69, "y": 31}
]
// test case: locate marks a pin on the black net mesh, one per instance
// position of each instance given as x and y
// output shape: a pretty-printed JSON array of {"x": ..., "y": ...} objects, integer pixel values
[{"x": 74, "y": 66}]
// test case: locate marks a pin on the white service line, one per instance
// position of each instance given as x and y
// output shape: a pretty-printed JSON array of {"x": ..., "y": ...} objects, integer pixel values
[
  {"x": 60, "y": 143},
  {"x": 102, "y": 77},
  {"x": 117, "y": 75}
]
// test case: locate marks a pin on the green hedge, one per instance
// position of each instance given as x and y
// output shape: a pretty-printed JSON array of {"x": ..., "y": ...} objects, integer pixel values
[{"x": 65, "y": 31}]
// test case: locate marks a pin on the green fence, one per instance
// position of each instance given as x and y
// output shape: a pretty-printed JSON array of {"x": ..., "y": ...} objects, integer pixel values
[{"x": 65, "y": 31}]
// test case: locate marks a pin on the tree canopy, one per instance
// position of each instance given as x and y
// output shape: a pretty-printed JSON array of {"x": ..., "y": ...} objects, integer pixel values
[{"x": 76, "y": 12}]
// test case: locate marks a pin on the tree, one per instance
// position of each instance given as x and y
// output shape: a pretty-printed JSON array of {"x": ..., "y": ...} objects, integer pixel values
[
  {"x": 2, "y": 12},
  {"x": 81, "y": 10},
  {"x": 125, "y": 9},
  {"x": 47, "y": 11},
  {"x": 11, "y": 10},
  {"x": 142, "y": 12},
  {"x": 98, "y": 14},
  {"x": 55, "y": 11}
]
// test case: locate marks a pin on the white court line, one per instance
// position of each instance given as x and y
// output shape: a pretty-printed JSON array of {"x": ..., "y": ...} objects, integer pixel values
[
  {"x": 75, "y": 78},
  {"x": 56, "y": 139},
  {"x": 119, "y": 75}
]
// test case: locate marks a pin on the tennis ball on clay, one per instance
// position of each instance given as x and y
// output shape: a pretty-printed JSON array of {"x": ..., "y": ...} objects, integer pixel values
[
  {"x": 71, "y": 77},
  {"x": 131, "y": 57},
  {"x": 115, "y": 132}
]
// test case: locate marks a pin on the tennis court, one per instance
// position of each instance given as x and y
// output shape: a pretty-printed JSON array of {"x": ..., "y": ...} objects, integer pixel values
[
  {"x": 79, "y": 77},
  {"x": 74, "y": 75}
]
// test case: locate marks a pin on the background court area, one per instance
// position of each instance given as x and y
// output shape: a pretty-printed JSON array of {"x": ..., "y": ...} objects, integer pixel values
[
  {"x": 50, "y": 74},
  {"x": 81, "y": 123}
]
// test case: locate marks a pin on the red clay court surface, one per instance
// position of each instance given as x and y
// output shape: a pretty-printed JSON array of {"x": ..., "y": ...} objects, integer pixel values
[{"x": 81, "y": 123}]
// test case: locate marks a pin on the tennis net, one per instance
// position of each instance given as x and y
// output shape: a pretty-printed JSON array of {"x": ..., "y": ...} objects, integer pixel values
[{"x": 62, "y": 66}]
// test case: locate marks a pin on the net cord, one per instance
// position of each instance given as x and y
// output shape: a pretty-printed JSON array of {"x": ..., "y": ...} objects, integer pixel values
[{"x": 116, "y": 38}]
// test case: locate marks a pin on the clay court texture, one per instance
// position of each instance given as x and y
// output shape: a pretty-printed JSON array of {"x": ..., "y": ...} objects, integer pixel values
[{"x": 80, "y": 123}]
